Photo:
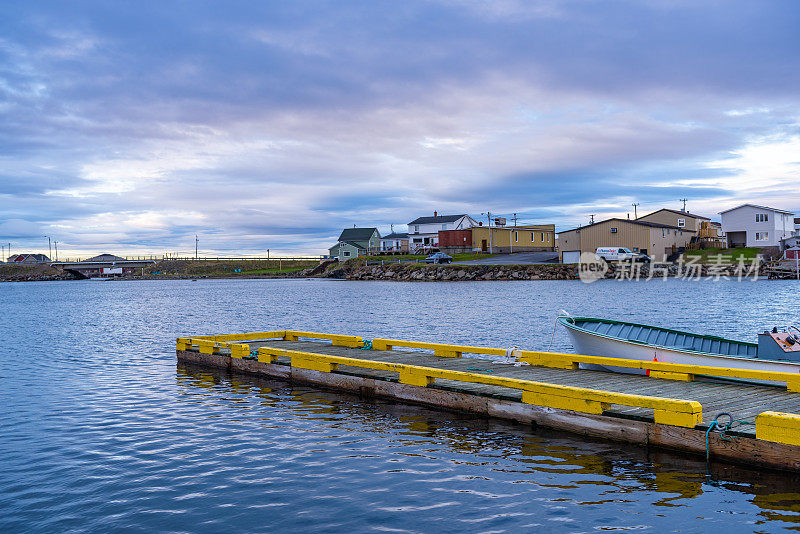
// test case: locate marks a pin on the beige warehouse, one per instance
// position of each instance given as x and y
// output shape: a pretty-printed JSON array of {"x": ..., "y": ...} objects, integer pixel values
[{"x": 654, "y": 239}]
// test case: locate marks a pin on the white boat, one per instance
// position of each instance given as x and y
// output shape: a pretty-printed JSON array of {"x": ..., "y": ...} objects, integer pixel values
[{"x": 776, "y": 350}]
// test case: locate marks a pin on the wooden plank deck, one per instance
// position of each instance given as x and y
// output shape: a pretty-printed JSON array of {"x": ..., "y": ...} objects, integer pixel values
[{"x": 742, "y": 401}]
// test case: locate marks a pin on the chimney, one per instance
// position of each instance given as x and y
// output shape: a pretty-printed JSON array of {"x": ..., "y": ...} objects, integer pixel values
[{"x": 435, "y": 214}]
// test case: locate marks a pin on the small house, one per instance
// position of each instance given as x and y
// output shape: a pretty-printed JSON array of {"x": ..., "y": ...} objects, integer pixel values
[
  {"x": 355, "y": 242},
  {"x": 750, "y": 225},
  {"x": 394, "y": 243}
]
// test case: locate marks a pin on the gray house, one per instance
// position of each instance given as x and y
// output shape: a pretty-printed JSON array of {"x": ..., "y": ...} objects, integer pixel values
[{"x": 354, "y": 242}]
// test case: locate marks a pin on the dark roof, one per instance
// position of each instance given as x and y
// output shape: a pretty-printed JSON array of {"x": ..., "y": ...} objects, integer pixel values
[
  {"x": 357, "y": 234},
  {"x": 355, "y": 244},
  {"x": 437, "y": 219},
  {"x": 631, "y": 221},
  {"x": 678, "y": 212},
  {"x": 396, "y": 235},
  {"x": 104, "y": 257}
]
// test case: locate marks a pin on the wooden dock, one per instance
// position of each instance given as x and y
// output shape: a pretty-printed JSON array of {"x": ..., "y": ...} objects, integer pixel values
[{"x": 673, "y": 408}]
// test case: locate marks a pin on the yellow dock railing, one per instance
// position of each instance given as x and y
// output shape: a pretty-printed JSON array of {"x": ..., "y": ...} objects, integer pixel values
[
  {"x": 770, "y": 426},
  {"x": 665, "y": 411},
  {"x": 439, "y": 349},
  {"x": 778, "y": 427},
  {"x": 671, "y": 371},
  {"x": 215, "y": 344}
]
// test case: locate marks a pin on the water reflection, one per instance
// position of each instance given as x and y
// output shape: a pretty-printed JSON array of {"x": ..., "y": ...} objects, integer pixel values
[{"x": 552, "y": 467}]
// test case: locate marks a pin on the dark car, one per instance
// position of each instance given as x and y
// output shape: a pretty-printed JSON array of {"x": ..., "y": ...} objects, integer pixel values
[{"x": 438, "y": 257}]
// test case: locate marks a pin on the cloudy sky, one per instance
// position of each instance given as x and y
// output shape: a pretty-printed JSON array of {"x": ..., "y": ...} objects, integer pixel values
[{"x": 132, "y": 126}]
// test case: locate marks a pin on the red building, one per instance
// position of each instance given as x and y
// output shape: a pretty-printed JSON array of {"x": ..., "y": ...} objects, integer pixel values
[{"x": 451, "y": 241}]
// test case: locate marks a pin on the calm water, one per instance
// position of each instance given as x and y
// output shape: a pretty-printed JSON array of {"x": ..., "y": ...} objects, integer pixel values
[{"x": 101, "y": 430}]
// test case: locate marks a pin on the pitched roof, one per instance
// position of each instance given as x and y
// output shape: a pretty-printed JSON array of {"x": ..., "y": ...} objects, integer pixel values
[
  {"x": 759, "y": 207},
  {"x": 357, "y": 234},
  {"x": 437, "y": 219},
  {"x": 396, "y": 235},
  {"x": 678, "y": 212},
  {"x": 104, "y": 257},
  {"x": 630, "y": 221}
]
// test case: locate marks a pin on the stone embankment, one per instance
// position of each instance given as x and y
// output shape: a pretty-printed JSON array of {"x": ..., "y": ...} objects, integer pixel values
[{"x": 415, "y": 272}]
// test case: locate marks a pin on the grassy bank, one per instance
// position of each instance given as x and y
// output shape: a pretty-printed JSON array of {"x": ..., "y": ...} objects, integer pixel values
[
  {"x": 711, "y": 255},
  {"x": 460, "y": 256},
  {"x": 229, "y": 268}
]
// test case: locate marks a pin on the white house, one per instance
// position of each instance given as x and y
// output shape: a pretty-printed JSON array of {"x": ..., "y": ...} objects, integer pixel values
[
  {"x": 750, "y": 225},
  {"x": 424, "y": 231}
]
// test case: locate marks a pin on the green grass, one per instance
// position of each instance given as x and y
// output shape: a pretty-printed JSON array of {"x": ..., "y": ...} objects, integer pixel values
[
  {"x": 460, "y": 256},
  {"x": 710, "y": 255}
]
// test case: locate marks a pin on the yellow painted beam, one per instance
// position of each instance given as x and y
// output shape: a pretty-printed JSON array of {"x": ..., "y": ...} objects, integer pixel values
[
  {"x": 239, "y": 350},
  {"x": 666, "y": 411},
  {"x": 672, "y": 371},
  {"x": 336, "y": 339},
  {"x": 778, "y": 427},
  {"x": 440, "y": 349}
]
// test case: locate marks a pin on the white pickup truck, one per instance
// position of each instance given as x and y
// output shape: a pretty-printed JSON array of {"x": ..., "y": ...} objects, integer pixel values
[{"x": 619, "y": 254}]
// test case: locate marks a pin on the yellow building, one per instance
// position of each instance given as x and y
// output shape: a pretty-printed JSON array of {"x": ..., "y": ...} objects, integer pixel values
[{"x": 506, "y": 239}]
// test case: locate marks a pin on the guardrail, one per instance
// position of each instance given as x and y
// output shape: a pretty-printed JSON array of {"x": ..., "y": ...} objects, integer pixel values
[
  {"x": 770, "y": 426},
  {"x": 778, "y": 427},
  {"x": 439, "y": 349},
  {"x": 239, "y": 258},
  {"x": 666, "y": 411},
  {"x": 215, "y": 344},
  {"x": 671, "y": 371}
]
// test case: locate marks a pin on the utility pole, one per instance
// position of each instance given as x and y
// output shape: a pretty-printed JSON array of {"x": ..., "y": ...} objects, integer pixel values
[
  {"x": 489, "y": 218},
  {"x": 195, "y": 246},
  {"x": 56, "y": 245},
  {"x": 591, "y": 218},
  {"x": 684, "y": 200},
  {"x": 635, "y": 212},
  {"x": 49, "y": 247}
]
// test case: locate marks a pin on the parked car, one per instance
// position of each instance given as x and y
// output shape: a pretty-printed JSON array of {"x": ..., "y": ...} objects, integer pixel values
[
  {"x": 620, "y": 254},
  {"x": 438, "y": 257}
]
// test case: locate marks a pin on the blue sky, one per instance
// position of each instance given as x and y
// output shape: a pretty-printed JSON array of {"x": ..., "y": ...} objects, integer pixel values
[{"x": 132, "y": 126}]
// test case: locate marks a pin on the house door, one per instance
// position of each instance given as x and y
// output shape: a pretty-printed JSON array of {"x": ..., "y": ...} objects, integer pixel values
[{"x": 484, "y": 245}]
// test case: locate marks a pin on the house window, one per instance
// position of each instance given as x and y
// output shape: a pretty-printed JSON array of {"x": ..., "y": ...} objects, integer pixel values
[
  {"x": 681, "y": 223},
  {"x": 444, "y": 227},
  {"x": 613, "y": 230},
  {"x": 762, "y": 217},
  {"x": 516, "y": 237},
  {"x": 346, "y": 253},
  {"x": 533, "y": 238},
  {"x": 762, "y": 236},
  {"x": 542, "y": 237},
  {"x": 416, "y": 228}
]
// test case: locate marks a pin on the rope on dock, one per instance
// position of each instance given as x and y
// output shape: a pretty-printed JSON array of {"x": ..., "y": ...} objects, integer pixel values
[{"x": 723, "y": 428}]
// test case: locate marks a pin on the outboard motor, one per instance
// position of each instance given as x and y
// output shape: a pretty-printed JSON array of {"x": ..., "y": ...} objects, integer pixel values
[{"x": 780, "y": 344}]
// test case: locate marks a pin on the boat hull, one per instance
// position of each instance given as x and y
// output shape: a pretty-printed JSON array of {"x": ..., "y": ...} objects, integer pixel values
[{"x": 597, "y": 345}]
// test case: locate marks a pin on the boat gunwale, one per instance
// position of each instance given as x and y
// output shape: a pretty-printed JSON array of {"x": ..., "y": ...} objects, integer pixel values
[{"x": 569, "y": 322}]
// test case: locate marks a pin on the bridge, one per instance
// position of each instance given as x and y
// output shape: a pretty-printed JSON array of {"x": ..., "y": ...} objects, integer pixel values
[{"x": 104, "y": 265}]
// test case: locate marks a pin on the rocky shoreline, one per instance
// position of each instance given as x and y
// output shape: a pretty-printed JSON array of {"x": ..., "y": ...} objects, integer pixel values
[
  {"x": 405, "y": 272},
  {"x": 415, "y": 272}
]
